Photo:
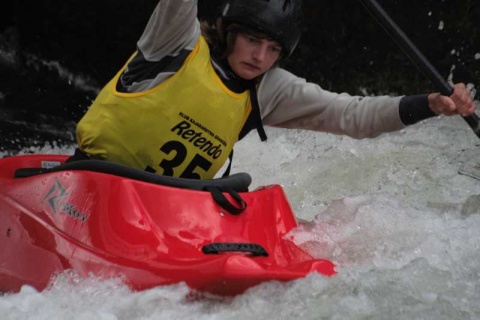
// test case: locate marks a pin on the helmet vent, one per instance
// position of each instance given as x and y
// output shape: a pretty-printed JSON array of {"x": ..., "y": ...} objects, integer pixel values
[{"x": 286, "y": 4}]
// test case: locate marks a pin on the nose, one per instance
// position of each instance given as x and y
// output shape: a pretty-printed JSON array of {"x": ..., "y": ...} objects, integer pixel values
[{"x": 260, "y": 52}]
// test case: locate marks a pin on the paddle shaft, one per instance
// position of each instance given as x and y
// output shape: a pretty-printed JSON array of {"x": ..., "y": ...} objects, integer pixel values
[{"x": 415, "y": 55}]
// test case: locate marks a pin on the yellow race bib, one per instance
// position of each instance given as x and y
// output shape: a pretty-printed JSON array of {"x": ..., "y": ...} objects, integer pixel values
[{"x": 184, "y": 127}]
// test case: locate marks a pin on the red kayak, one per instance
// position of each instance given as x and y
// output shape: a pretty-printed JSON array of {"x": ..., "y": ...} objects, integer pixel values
[{"x": 107, "y": 220}]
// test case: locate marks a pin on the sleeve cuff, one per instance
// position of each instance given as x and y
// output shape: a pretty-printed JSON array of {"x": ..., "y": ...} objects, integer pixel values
[{"x": 414, "y": 109}]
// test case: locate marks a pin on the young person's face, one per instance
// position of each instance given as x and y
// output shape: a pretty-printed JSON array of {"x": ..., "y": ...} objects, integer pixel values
[{"x": 252, "y": 56}]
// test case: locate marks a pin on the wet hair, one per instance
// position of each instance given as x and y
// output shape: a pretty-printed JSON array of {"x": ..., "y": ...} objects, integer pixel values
[{"x": 211, "y": 35}]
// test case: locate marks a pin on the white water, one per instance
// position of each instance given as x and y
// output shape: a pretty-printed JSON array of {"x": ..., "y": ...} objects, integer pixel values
[{"x": 392, "y": 212}]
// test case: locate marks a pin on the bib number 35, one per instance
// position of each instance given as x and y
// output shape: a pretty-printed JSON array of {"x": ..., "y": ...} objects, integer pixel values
[{"x": 180, "y": 154}]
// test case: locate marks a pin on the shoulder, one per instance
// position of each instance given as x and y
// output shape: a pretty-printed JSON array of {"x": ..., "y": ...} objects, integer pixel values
[
  {"x": 277, "y": 80},
  {"x": 279, "y": 83},
  {"x": 280, "y": 76}
]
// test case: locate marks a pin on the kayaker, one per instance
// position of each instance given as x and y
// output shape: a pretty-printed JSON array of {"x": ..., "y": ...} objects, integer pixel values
[{"x": 192, "y": 90}]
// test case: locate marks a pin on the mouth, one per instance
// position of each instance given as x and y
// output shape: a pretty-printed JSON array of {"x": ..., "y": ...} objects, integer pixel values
[{"x": 251, "y": 66}]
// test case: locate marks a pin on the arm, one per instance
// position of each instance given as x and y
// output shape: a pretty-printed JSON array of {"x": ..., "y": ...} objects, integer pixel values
[
  {"x": 170, "y": 35},
  {"x": 290, "y": 102},
  {"x": 173, "y": 26}
]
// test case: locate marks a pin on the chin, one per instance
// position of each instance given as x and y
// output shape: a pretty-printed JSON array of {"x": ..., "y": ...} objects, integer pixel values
[{"x": 247, "y": 76}]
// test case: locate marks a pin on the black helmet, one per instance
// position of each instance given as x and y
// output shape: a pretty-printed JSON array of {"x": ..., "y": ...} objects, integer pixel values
[{"x": 279, "y": 19}]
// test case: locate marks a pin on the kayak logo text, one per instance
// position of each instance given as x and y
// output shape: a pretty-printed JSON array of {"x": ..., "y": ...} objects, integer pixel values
[{"x": 57, "y": 202}]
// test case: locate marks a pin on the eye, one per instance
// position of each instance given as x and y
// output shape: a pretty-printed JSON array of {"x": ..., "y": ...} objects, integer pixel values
[
  {"x": 252, "y": 39},
  {"x": 276, "y": 49}
]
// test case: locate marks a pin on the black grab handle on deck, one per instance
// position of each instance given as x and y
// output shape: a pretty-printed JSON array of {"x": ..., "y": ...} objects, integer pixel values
[
  {"x": 235, "y": 207},
  {"x": 219, "y": 247}
]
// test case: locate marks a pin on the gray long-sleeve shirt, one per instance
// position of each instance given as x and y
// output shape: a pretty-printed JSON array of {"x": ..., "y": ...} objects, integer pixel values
[{"x": 285, "y": 100}]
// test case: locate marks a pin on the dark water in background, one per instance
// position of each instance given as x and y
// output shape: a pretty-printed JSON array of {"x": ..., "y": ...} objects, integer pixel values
[
  {"x": 54, "y": 57},
  {"x": 40, "y": 101}
]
